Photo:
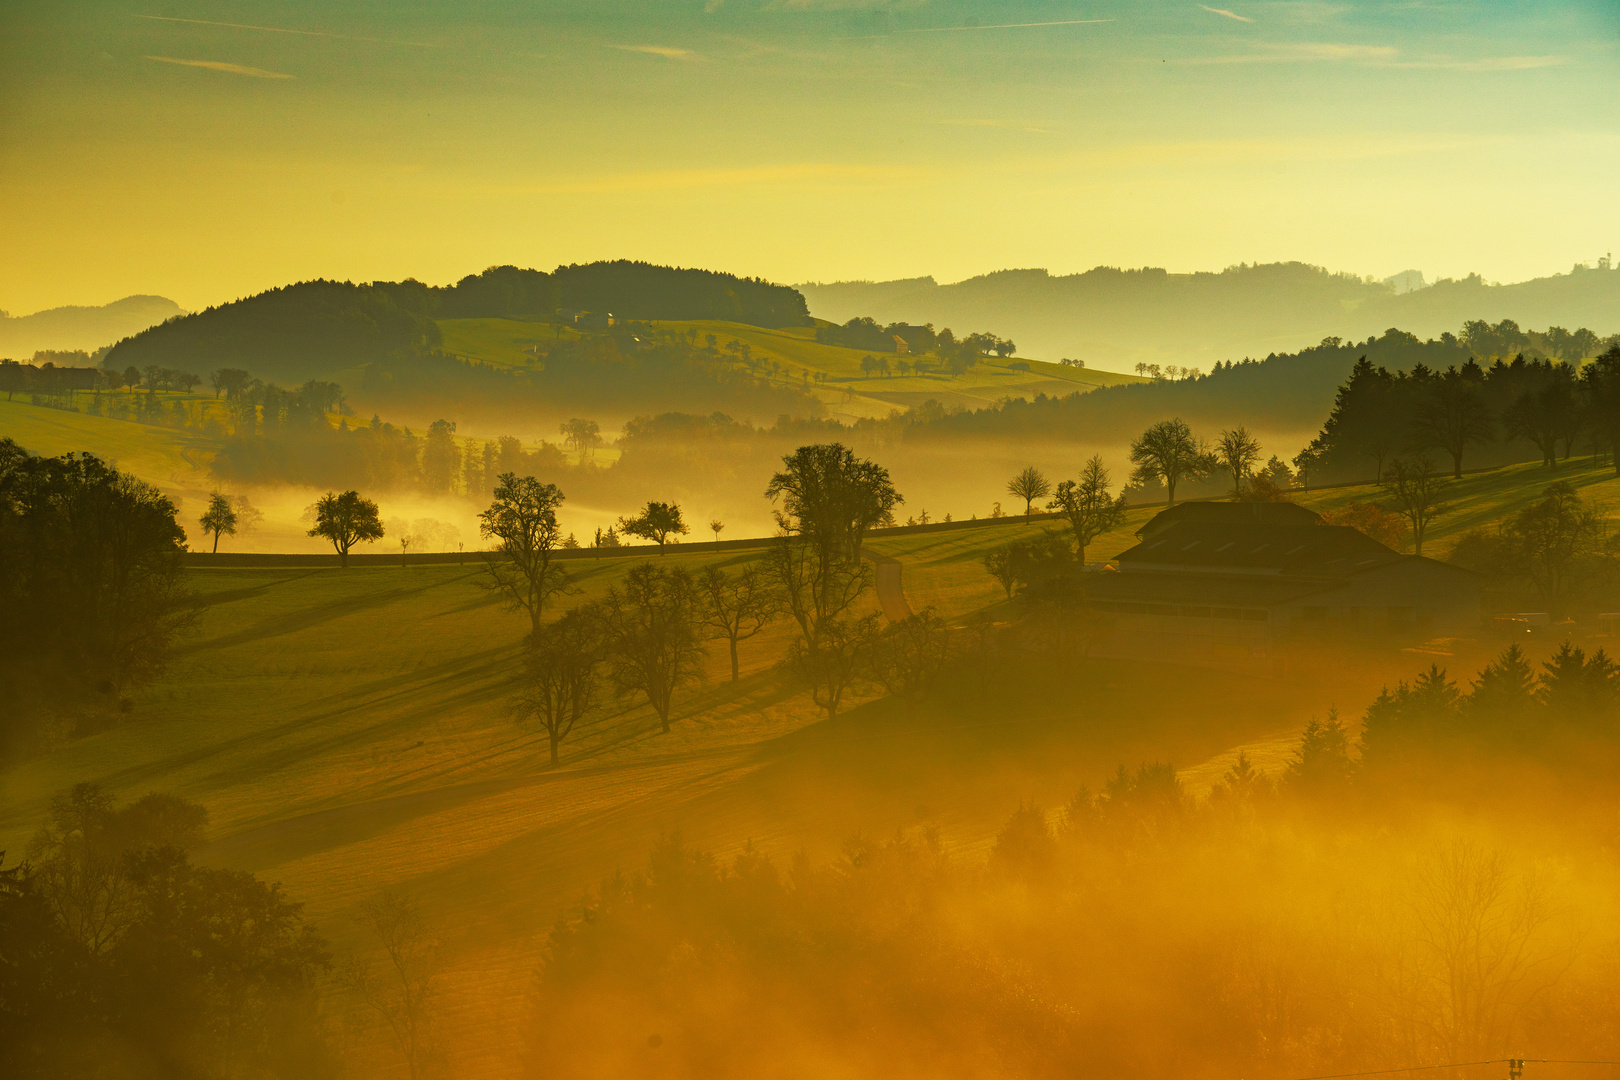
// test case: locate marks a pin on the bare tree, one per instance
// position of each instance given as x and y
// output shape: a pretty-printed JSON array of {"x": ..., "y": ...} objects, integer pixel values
[
  {"x": 1481, "y": 927},
  {"x": 523, "y": 518},
  {"x": 818, "y": 586},
  {"x": 1029, "y": 485},
  {"x": 220, "y": 517},
  {"x": 1167, "y": 453},
  {"x": 837, "y": 657},
  {"x": 1453, "y": 418},
  {"x": 739, "y": 607},
  {"x": 909, "y": 654},
  {"x": 1237, "y": 452},
  {"x": 1088, "y": 507},
  {"x": 402, "y": 994},
  {"x": 560, "y": 681},
  {"x": 717, "y": 526},
  {"x": 1415, "y": 489},
  {"x": 649, "y": 633}
]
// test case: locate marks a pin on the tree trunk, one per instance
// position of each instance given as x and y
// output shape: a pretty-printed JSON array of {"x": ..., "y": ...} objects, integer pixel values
[
  {"x": 216, "y": 543},
  {"x": 554, "y": 741},
  {"x": 343, "y": 557},
  {"x": 733, "y": 659}
]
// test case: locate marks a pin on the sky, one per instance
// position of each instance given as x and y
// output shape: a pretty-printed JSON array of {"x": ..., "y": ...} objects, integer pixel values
[{"x": 207, "y": 149}]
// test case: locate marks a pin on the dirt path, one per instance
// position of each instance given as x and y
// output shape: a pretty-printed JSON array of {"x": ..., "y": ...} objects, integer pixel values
[{"x": 891, "y": 594}]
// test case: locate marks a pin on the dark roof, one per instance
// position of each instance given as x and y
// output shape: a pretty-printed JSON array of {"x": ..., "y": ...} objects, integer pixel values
[
  {"x": 1230, "y": 513},
  {"x": 1220, "y": 590},
  {"x": 1293, "y": 550}
]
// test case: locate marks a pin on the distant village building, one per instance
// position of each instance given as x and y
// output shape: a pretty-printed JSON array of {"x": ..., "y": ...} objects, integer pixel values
[
  {"x": 594, "y": 320},
  {"x": 1236, "y": 577}
]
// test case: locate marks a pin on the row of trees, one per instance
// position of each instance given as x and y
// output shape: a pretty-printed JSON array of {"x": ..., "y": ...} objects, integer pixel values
[
  {"x": 646, "y": 637},
  {"x": 868, "y": 335}
]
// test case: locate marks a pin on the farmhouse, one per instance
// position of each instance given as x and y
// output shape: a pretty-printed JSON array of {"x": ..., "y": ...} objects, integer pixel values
[{"x": 1246, "y": 575}]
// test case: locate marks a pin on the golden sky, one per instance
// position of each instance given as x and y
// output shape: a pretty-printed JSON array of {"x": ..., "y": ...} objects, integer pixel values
[{"x": 207, "y": 149}]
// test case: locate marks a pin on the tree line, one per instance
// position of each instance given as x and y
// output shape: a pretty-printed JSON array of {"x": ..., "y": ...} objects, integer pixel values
[
  {"x": 646, "y": 639},
  {"x": 868, "y": 335},
  {"x": 1469, "y": 414}
]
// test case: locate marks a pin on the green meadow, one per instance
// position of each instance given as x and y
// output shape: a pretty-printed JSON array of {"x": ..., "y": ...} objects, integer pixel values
[{"x": 846, "y": 389}]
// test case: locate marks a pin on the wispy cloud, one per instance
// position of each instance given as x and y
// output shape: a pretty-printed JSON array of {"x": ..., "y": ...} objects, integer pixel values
[
  {"x": 1387, "y": 56},
  {"x": 1225, "y": 13},
  {"x": 283, "y": 30},
  {"x": 221, "y": 65},
  {"x": 1302, "y": 53},
  {"x": 1003, "y": 26},
  {"x": 667, "y": 51}
]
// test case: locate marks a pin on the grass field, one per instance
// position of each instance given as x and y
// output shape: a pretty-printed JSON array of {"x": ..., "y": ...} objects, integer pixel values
[
  {"x": 353, "y": 731},
  {"x": 847, "y": 391}
]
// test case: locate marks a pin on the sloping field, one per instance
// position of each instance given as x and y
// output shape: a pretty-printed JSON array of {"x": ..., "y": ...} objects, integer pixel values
[
  {"x": 353, "y": 731},
  {"x": 848, "y": 391}
]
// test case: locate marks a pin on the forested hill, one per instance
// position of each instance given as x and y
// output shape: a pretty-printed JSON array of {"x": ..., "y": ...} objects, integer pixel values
[
  {"x": 1283, "y": 393},
  {"x": 1114, "y": 318},
  {"x": 315, "y": 329}
]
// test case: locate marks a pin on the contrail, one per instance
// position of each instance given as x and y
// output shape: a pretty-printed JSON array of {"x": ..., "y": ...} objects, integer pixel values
[{"x": 1228, "y": 14}]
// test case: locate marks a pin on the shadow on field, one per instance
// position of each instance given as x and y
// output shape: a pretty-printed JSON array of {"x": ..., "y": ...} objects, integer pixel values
[{"x": 308, "y": 618}]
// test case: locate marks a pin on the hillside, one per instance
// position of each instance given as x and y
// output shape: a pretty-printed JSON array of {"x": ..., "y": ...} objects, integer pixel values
[
  {"x": 351, "y": 731},
  {"x": 791, "y": 358},
  {"x": 1116, "y": 318},
  {"x": 81, "y": 328}
]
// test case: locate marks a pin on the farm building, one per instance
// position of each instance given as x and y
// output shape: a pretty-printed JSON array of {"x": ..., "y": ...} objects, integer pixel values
[{"x": 1236, "y": 576}]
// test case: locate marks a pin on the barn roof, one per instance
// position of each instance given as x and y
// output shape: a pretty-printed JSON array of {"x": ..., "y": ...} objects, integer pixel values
[
  {"x": 1230, "y": 513},
  {"x": 1292, "y": 550}
]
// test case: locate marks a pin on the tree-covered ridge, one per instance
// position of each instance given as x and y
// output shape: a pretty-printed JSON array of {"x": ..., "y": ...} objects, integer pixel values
[
  {"x": 623, "y": 288},
  {"x": 307, "y": 330},
  {"x": 316, "y": 328}
]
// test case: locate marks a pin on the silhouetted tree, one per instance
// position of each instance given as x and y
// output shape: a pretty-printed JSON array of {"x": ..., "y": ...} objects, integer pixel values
[
  {"x": 523, "y": 518},
  {"x": 583, "y": 435},
  {"x": 1416, "y": 491},
  {"x": 1167, "y": 453},
  {"x": 736, "y": 607},
  {"x": 1087, "y": 506},
  {"x": 835, "y": 659},
  {"x": 560, "y": 679},
  {"x": 404, "y": 991},
  {"x": 1029, "y": 485},
  {"x": 1454, "y": 415},
  {"x": 649, "y": 628},
  {"x": 831, "y": 498},
  {"x": 1237, "y": 451},
  {"x": 346, "y": 520},
  {"x": 656, "y": 522},
  {"x": 908, "y": 655},
  {"x": 219, "y": 518}
]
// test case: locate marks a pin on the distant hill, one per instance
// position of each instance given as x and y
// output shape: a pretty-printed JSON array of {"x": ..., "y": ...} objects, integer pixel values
[
  {"x": 86, "y": 328},
  {"x": 1114, "y": 318},
  {"x": 318, "y": 329}
]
